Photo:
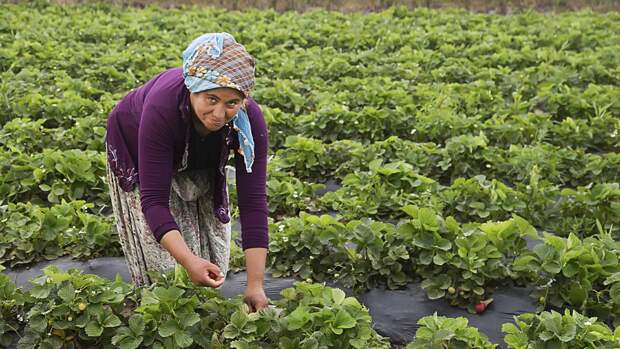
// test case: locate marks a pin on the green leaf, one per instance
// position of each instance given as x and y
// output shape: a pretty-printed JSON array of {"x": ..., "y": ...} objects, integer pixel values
[
  {"x": 93, "y": 329},
  {"x": 67, "y": 293},
  {"x": 310, "y": 343},
  {"x": 344, "y": 320},
  {"x": 435, "y": 293},
  {"x": 168, "y": 328},
  {"x": 130, "y": 343},
  {"x": 424, "y": 239},
  {"x": 577, "y": 295},
  {"x": 111, "y": 320},
  {"x": 231, "y": 331},
  {"x": 189, "y": 320},
  {"x": 338, "y": 295},
  {"x": 552, "y": 267},
  {"x": 239, "y": 319},
  {"x": 240, "y": 344},
  {"x": 183, "y": 339},
  {"x": 288, "y": 293},
  {"x": 136, "y": 324},
  {"x": 298, "y": 318},
  {"x": 40, "y": 292},
  {"x": 411, "y": 210}
]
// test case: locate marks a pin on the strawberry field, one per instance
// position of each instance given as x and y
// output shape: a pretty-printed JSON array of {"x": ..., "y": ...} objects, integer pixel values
[{"x": 456, "y": 151}]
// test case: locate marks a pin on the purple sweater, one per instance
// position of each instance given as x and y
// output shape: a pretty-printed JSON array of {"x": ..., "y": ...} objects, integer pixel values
[{"x": 148, "y": 132}]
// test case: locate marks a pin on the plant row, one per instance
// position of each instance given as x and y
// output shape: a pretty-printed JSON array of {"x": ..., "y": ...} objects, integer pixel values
[
  {"x": 51, "y": 175},
  {"x": 315, "y": 160},
  {"x": 383, "y": 189},
  {"x": 34, "y": 232},
  {"x": 461, "y": 262},
  {"x": 431, "y": 71},
  {"x": 31, "y": 233},
  {"x": 74, "y": 310}
]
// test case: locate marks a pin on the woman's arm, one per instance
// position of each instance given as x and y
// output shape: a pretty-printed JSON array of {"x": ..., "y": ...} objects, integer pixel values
[
  {"x": 155, "y": 157},
  {"x": 252, "y": 187},
  {"x": 155, "y": 166},
  {"x": 201, "y": 271},
  {"x": 252, "y": 200},
  {"x": 255, "y": 259}
]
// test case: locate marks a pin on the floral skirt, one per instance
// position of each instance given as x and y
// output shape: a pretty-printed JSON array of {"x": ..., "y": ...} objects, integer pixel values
[{"x": 191, "y": 205}]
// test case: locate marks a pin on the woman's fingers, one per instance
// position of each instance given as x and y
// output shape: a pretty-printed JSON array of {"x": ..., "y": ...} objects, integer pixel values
[
  {"x": 212, "y": 282},
  {"x": 214, "y": 272},
  {"x": 205, "y": 273},
  {"x": 213, "y": 268},
  {"x": 214, "y": 275}
]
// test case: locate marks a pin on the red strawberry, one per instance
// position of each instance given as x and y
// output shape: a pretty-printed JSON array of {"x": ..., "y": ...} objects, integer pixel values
[{"x": 482, "y": 306}]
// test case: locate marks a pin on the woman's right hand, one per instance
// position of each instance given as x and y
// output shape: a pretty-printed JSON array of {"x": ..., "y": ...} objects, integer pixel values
[
  {"x": 201, "y": 271},
  {"x": 204, "y": 273}
]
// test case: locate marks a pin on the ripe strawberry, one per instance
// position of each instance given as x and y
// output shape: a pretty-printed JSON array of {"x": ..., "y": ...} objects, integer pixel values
[{"x": 482, "y": 306}]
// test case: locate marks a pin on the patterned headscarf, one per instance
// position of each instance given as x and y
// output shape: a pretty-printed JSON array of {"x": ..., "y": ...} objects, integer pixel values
[{"x": 216, "y": 60}]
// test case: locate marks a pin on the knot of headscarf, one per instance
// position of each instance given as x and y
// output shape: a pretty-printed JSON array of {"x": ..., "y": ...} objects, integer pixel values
[{"x": 216, "y": 60}]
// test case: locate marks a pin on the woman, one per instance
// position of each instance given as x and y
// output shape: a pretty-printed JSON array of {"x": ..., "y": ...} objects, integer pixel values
[{"x": 167, "y": 144}]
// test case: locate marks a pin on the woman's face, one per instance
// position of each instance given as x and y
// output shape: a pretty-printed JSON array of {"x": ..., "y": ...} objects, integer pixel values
[{"x": 214, "y": 108}]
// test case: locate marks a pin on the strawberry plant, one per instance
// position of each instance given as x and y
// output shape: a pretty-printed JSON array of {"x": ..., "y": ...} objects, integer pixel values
[
  {"x": 319, "y": 316},
  {"x": 381, "y": 191},
  {"x": 573, "y": 272},
  {"x": 308, "y": 247},
  {"x": 33, "y": 233},
  {"x": 478, "y": 198},
  {"x": 288, "y": 195},
  {"x": 303, "y": 157},
  {"x": 463, "y": 263},
  {"x": 12, "y": 301},
  {"x": 464, "y": 156},
  {"x": 55, "y": 175},
  {"x": 438, "y": 332},
  {"x": 72, "y": 310},
  {"x": 556, "y": 330},
  {"x": 578, "y": 210}
]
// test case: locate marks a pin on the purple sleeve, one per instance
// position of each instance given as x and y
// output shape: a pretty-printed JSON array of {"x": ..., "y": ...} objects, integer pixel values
[
  {"x": 155, "y": 158},
  {"x": 252, "y": 187}
]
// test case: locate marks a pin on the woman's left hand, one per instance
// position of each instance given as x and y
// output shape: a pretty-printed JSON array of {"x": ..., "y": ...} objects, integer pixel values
[{"x": 255, "y": 298}]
